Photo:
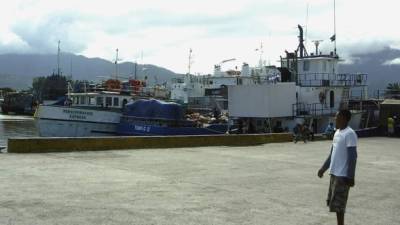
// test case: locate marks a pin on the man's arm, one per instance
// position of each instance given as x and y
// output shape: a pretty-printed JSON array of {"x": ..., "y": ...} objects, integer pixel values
[
  {"x": 326, "y": 165},
  {"x": 351, "y": 170}
]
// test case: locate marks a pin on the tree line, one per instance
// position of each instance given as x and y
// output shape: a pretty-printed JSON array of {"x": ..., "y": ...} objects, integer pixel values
[{"x": 50, "y": 87}]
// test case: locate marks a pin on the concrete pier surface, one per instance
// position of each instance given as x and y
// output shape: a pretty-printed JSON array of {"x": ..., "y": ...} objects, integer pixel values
[{"x": 267, "y": 184}]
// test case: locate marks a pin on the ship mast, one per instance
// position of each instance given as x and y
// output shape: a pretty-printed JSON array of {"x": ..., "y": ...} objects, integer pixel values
[
  {"x": 190, "y": 60},
  {"x": 58, "y": 59},
  {"x": 306, "y": 33},
  {"x": 334, "y": 24},
  {"x": 116, "y": 65},
  {"x": 261, "y": 50}
]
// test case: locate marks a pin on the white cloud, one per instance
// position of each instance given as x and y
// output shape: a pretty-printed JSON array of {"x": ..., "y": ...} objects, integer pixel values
[
  {"x": 216, "y": 30},
  {"x": 395, "y": 61}
]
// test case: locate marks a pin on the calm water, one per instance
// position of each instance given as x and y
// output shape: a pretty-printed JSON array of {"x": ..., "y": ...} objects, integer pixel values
[{"x": 16, "y": 126}]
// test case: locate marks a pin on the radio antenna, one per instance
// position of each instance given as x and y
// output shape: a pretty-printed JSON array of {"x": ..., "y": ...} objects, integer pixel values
[{"x": 306, "y": 35}]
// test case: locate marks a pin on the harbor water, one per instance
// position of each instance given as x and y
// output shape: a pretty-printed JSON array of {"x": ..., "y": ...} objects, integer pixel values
[{"x": 16, "y": 126}]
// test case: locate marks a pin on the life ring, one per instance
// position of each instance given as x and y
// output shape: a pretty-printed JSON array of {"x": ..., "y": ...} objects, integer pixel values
[{"x": 322, "y": 97}]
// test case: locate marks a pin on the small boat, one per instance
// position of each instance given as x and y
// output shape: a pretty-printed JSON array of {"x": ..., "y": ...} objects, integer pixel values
[
  {"x": 159, "y": 118},
  {"x": 81, "y": 115},
  {"x": 95, "y": 111},
  {"x": 19, "y": 103}
]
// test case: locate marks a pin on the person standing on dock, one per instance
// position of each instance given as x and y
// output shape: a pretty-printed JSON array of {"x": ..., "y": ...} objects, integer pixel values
[
  {"x": 342, "y": 164},
  {"x": 390, "y": 126},
  {"x": 329, "y": 131}
]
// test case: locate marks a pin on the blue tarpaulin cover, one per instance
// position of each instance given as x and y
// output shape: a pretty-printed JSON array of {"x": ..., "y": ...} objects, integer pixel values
[
  {"x": 60, "y": 100},
  {"x": 154, "y": 109}
]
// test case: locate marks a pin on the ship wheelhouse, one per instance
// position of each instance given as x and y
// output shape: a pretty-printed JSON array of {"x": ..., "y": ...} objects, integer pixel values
[
  {"x": 103, "y": 99},
  {"x": 321, "y": 89}
]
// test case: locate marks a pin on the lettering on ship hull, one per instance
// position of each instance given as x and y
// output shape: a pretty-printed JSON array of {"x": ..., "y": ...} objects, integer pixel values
[
  {"x": 77, "y": 114},
  {"x": 142, "y": 128}
]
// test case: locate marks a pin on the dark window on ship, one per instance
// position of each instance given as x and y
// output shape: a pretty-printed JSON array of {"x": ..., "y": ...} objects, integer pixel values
[
  {"x": 292, "y": 65},
  {"x": 108, "y": 101},
  {"x": 116, "y": 102},
  {"x": 99, "y": 101},
  {"x": 83, "y": 100},
  {"x": 332, "y": 99},
  {"x": 306, "y": 65}
]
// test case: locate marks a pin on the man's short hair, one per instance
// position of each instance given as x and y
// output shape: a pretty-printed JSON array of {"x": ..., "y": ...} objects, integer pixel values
[{"x": 346, "y": 114}]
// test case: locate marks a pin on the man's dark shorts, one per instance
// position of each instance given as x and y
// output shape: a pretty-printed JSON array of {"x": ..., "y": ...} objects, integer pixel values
[{"x": 337, "y": 194}]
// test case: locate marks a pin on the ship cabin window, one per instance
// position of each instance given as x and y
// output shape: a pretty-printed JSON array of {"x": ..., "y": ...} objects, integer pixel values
[
  {"x": 99, "y": 101},
  {"x": 83, "y": 98},
  {"x": 306, "y": 65},
  {"x": 76, "y": 100},
  {"x": 124, "y": 102},
  {"x": 116, "y": 101},
  {"x": 92, "y": 101},
  {"x": 108, "y": 101},
  {"x": 324, "y": 66}
]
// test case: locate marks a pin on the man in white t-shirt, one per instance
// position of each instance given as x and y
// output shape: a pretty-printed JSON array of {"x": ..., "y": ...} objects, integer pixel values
[{"x": 342, "y": 164}]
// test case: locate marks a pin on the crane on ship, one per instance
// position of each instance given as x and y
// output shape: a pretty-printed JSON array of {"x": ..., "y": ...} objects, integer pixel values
[
  {"x": 218, "y": 66},
  {"x": 226, "y": 60}
]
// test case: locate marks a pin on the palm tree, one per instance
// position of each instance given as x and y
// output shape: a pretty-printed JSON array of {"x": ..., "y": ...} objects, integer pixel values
[
  {"x": 393, "y": 89},
  {"x": 393, "y": 86}
]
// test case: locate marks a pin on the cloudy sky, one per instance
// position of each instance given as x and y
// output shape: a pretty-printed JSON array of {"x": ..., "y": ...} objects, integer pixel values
[{"x": 161, "y": 32}]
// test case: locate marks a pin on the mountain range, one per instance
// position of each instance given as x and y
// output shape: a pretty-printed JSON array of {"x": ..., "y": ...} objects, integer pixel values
[
  {"x": 17, "y": 71},
  {"x": 381, "y": 66}
]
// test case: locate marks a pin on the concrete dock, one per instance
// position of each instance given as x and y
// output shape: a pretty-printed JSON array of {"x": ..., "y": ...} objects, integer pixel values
[{"x": 267, "y": 184}]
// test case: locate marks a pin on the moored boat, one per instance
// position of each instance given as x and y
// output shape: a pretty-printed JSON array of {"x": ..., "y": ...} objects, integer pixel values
[
  {"x": 159, "y": 118},
  {"x": 82, "y": 114},
  {"x": 18, "y": 103}
]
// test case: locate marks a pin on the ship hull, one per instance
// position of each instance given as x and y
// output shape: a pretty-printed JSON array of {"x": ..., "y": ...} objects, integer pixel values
[
  {"x": 133, "y": 129},
  {"x": 59, "y": 121}
]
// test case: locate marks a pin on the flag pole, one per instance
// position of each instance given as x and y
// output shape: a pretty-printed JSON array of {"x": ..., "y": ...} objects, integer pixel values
[{"x": 334, "y": 23}]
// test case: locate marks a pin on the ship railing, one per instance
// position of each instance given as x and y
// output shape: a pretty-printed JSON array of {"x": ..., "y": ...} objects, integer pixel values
[
  {"x": 332, "y": 79},
  {"x": 385, "y": 93},
  {"x": 311, "y": 109},
  {"x": 378, "y": 94},
  {"x": 358, "y": 94}
]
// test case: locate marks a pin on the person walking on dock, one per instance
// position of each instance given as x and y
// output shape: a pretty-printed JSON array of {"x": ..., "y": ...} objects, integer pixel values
[{"x": 342, "y": 164}]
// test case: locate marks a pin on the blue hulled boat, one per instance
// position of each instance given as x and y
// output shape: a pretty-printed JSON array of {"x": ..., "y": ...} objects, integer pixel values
[{"x": 159, "y": 118}]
